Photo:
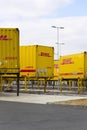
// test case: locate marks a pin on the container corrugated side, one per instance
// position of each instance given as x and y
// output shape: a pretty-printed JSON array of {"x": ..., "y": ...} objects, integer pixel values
[
  {"x": 45, "y": 61},
  {"x": 9, "y": 50},
  {"x": 72, "y": 66},
  {"x": 28, "y": 61}
]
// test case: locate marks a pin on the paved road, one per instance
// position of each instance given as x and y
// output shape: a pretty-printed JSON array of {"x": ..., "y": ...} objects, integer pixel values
[{"x": 26, "y": 116}]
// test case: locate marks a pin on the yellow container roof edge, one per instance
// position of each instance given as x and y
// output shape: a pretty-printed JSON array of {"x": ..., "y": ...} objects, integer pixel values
[
  {"x": 74, "y": 54},
  {"x": 36, "y": 45}
]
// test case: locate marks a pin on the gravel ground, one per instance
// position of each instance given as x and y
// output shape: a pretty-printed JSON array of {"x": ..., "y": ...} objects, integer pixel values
[{"x": 76, "y": 102}]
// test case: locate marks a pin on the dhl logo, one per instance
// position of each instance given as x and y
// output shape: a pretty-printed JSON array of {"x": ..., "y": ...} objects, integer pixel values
[
  {"x": 10, "y": 58},
  {"x": 45, "y": 54},
  {"x": 4, "y": 37},
  {"x": 56, "y": 66},
  {"x": 67, "y": 61}
]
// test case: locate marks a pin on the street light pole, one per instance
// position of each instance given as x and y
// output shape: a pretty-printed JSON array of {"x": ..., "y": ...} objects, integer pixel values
[
  {"x": 58, "y": 43},
  {"x": 58, "y": 28}
]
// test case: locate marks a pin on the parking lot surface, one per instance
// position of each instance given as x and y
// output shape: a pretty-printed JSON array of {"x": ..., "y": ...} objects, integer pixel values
[{"x": 28, "y": 116}]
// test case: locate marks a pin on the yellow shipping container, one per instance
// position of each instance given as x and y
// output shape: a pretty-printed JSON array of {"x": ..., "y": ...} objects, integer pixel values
[
  {"x": 73, "y": 66},
  {"x": 9, "y": 50},
  {"x": 36, "y": 61}
]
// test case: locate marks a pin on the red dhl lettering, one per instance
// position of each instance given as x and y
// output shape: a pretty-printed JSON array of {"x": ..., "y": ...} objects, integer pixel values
[
  {"x": 68, "y": 74},
  {"x": 10, "y": 58},
  {"x": 49, "y": 67},
  {"x": 29, "y": 66},
  {"x": 45, "y": 54},
  {"x": 56, "y": 66},
  {"x": 67, "y": 61},
  {"x": 4, "y": 37},
  {"x": 55, "y": 76}
]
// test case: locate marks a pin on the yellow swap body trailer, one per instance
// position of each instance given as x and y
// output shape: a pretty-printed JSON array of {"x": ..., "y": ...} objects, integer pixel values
[
  {"x": 73, "y": 66},
  {"x": 36, "y": 61},
  {"x": 9, "y": 50},
  {"x": 9, "y": 53}
]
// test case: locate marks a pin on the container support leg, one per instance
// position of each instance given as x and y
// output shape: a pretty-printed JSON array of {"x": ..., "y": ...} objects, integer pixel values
[
  {"x": 53, "y": 84},
  {"x": 70, "y": 84},
  {"x": 60, "y": 85},
  {"x": 9, "y": 84},
  {"x": 18, "y": 84},
  {"x": 0, "y": 83},
  {"x": 25, "y": 84},
  {"x": 32, "y": 84},
  {"x": 79, "y": 85},
  {"x": 86, "y": 84},
  {"x": 38, "y": 83},
  {"x": 45, "y": 85}
]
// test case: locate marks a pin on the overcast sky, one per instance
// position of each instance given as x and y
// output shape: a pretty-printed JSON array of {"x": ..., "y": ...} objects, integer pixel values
[{"x": 34, "y": 19}]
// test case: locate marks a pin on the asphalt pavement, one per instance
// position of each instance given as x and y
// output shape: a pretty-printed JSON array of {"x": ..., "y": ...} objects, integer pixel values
[{"x": 28, "y": 116}]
